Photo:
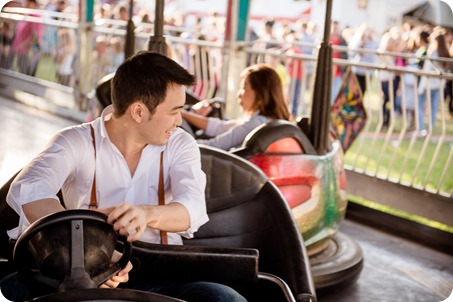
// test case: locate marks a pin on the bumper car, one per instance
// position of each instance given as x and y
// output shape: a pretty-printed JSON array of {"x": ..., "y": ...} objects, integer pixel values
[
  {"x": 251, "y": 243},
  {"x": 314, "y": 187}
]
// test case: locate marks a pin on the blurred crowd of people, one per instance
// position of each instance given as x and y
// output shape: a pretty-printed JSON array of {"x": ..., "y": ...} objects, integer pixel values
[
  {"x": 412, "y": 46},
  {"x": 26, "y": 42}
]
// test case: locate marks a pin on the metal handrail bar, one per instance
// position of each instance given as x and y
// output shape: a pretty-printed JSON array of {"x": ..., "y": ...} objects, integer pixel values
[
  {"x": 41, "y": 12},
  {"x": 110, "y": 30},
  {"x": 204, "y": 43},
  {"x": 145, "y": 35},
  {"x": 378, "y": 66},
  {"x": 348, "y": 49},
  {"x": 276, "y": 52},
  {"x": 39, "y": 20},
  {"x": 109, "y": 21},
  {"x": 167, "y": 28}
]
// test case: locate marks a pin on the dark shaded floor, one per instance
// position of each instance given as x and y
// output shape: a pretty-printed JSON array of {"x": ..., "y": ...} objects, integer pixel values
[{"x": 395, "y": 270}]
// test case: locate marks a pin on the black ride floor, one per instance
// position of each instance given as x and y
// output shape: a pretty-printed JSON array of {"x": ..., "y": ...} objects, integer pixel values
[{"x": 395, "y": 270}]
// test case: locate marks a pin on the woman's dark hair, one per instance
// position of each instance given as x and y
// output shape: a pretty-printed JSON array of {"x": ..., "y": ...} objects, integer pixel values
[
  {"x": 146, "y": 77},
  {"x": 442, "y": 49},
  {"x": 267, "y": 85}
]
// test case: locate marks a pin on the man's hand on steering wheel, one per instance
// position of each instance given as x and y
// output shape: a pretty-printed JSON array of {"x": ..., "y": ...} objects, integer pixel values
[
  {"x": 121, "y": 277},
  {"x": 127, "y": 220}
]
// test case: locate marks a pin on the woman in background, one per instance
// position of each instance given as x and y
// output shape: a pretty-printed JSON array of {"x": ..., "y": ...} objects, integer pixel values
[{"x": 261, "y": 100}]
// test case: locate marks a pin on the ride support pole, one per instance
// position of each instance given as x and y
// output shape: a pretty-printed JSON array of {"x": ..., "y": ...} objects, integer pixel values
[
  {"x": 320, "y": 114},
  {"x": 157, "y": 42}
]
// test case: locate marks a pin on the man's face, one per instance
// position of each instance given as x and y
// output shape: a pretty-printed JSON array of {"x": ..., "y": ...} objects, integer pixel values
[{"x": 158, "y": 128}]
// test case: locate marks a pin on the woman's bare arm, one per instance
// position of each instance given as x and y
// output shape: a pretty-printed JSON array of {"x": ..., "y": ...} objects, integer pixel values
[{"x": 197, "y": 120}]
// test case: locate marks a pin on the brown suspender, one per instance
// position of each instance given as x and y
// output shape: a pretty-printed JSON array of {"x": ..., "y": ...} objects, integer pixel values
[
  {"x": 93, "y": 202},
  {"x": 160, "y": 189},
  {"x": 161, "y": 195}
]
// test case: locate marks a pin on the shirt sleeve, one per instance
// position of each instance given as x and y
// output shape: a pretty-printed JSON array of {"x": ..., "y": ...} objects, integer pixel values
[
  {"x": 187, "y": 179},
  {"x": 235, "y": 136},
  {"x": 44, "y": 176},
  {"x": 217, "y": 126}
]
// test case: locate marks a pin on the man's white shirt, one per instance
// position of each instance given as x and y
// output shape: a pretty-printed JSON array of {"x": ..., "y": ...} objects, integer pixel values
[{"x": 70, "y": 153}]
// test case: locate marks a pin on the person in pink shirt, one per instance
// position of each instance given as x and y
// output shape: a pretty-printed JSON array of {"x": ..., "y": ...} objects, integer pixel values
[{"x": 27, "y": 38}]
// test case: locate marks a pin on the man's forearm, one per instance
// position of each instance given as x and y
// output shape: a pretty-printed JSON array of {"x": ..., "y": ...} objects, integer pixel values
[
  {"x": 172, "y": 217},
  {"x": 40, "y": 208}
]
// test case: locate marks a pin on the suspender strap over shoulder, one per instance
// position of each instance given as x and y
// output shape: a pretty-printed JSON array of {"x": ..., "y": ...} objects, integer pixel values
[
  {"x": 93, "y": 201},
  {"x": 160, "y": 189},
  {"x": 161, "y": 195}
]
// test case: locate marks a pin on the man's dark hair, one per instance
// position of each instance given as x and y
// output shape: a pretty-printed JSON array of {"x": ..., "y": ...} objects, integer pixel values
[{"x": 146, "y": 76}]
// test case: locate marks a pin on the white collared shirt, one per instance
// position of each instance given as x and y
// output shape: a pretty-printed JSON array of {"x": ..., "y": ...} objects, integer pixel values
[{"x": 68, "y": 163}]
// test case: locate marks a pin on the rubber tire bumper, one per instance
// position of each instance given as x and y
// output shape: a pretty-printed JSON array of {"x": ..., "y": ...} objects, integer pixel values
[{"x": 339, "y": 264}]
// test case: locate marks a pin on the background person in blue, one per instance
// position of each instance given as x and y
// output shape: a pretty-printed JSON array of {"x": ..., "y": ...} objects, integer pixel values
[{"x": 122, "y": 150}]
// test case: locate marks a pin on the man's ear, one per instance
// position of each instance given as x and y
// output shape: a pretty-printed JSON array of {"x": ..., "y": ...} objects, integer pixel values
[{"x": 137, "y": 111}]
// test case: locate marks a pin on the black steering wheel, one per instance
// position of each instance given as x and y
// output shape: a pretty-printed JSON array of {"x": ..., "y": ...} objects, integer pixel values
[{"x": 70, "y": 249}]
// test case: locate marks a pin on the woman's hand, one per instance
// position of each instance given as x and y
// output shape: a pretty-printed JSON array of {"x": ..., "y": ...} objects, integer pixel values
[
  {"x": 121, "y": 277},
  {"x": 202, "y": 108}
]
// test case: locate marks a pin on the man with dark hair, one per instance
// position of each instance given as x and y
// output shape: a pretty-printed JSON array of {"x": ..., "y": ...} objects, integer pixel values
[{"x": 122, "y": 151}]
